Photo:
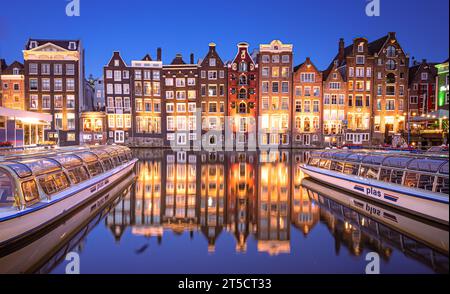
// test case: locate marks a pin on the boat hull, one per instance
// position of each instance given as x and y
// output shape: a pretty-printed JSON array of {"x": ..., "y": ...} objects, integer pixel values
[
  {"x": 434, "y": 208},
  {"x": 434, "y": 235},
  {"x": 32, "y": 220},
  {"x": 41, "y": 254}
]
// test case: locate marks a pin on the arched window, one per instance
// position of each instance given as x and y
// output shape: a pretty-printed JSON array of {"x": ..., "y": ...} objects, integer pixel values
[
  {"x": 242, "y": 94},
  {"x": 391, "y": 64},
  {"x": 212, "y": 140},
  {"x": 298, "y": 123},
  {"x": 390, "y": 78},
  {"x": 242, "y": 107},
  {"x": 391, "y": 51},
  {"x": 316, "y": 123},
  {"x": 307, "y": 125},
  {"x": 242, "y": 80}
]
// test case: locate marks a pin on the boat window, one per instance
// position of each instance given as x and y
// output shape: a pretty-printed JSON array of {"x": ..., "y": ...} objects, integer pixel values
[
  {"x": 42, "y": 166},
  {"x": 326, "y": 155},
  {"x": 426, "y": 165},
  {"x": 102, "y": 154},
  {"x": 314, "y": 161},
  {"x": 54, "y": 183},
  {"x": 397, "y": 176},
  {"x": 95, "y": 169},
  {"x": 130, "y": 155},
  {"x": 426, "y": 182},
  {"x": 69, "y": 161},
  {"x": 78, "y": 175},
  {"x": 351, "y": 169},
  {"x": 356, "y": 157},
  {"x": 107, "y": 164},
  {"x": 442, "y": 185},
  {"x": 7, "y": 189},
  {"x": 123, "y": 157},
  {"x": 444, "y": 169},
  {"x": 411, "y": 180},
  {"x": 397, "y": 162},
  {"x": 369, "y": 172},
  {"x": 340, "y": 156},
  {"x": 87, "y": 156},
  {"x": 385, "y": 175},
  {"x": 336, "y": 166},
  {"x": 116, "y": 161},
  {"x": 373, "y": 159},
  {"x": 324, "y": 163},
  {"x": 20, "y": 169},
  {"x": 30, "y": 191}
]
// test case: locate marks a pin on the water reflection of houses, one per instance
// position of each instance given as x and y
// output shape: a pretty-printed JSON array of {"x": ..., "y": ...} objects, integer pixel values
[
  {"x": 273, "y": 208},
  {"x": 212, "y": 197},
  {"x": 164, "y": 197},
  {"x": 148, "y": 196},
  {"x": 182, "y": 186},
  {"x": 241, "y": 194}
]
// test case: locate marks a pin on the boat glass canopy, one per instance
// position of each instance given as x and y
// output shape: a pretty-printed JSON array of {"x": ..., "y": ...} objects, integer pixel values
[{"x": 42, "y": 166}]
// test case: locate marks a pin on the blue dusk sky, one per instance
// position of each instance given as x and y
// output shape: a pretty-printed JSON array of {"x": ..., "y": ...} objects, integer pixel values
[{"x": 137, "y": 27}]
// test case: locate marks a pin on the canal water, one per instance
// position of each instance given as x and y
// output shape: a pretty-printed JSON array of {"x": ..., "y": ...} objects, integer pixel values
[{"x": 233, "y": 213}]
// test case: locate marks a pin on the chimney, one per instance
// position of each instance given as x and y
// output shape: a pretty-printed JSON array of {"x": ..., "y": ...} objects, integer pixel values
[
  {"x": 308, "y": 60},
  {"x": 424, "y": 61},
  {"x": 392, "y": 35},
  {"x": 159, "y": 54},
  {"x": 192, "y": 58},
  {"x": 341, "y": 54}
]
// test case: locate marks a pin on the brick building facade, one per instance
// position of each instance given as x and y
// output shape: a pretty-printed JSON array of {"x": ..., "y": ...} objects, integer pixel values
[
  {"x": 54, "y": 84},
  {"x": 275, "y": 100},
  {"x": 307, "y": 106}
]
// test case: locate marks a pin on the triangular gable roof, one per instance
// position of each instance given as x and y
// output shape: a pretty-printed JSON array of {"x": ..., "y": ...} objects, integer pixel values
[
  {"x": 116, "y": 54},
  {"x": 60, "y": 43},
  {"x": 147, "y": 57},
  {"x": 178, "y": 60},
  {"x": 12, "y": 66},
  {"x": 206, "y": 58},
  {"x": 298, "y": 67},
  {"x": 49, "y": 45}
]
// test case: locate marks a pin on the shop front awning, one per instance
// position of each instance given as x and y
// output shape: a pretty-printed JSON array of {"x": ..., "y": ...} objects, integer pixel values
[{"x": 26, "y": 116}]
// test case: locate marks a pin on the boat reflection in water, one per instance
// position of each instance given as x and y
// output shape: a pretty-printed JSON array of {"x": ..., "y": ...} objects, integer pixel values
[{"x": 246, "y": 212}]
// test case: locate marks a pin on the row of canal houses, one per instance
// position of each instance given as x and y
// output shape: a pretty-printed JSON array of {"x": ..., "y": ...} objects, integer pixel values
[
  {"x": 260, "y": 98},
  {"x": 368, "y": 95}
]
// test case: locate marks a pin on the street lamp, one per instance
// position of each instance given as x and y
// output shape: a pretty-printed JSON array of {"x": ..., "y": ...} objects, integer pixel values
[{"x": 409, "y": 127}]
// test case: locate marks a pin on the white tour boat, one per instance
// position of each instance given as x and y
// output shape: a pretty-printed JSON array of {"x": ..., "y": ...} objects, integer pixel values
[
  {"x": 37, "y": 191},
  {"x": 412, "y": 183}
]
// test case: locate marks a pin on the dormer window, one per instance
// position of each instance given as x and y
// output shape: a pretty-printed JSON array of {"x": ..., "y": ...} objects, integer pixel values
[
  {"x": 361, "y": 47},
  {"x": 116, "y": 62},
  {"x": 424, "y": 76},
  {"x": 72, "y": 46},
  {"x": 16, "y": 71},
  {"x": 33, "y": 44}
]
